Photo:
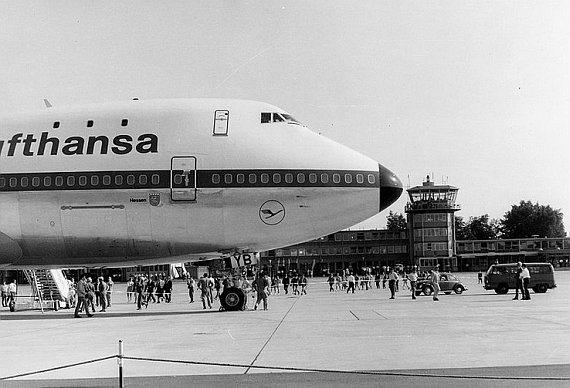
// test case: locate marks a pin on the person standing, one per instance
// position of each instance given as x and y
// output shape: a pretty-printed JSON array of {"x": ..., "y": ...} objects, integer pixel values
[
  {"x": 190, "y": 283},
  {"x": 4, "y": 289},
  {"x": 12, "y": 291},
  {"x": 140, "y": 287},
  {"x": 518, "y": 282},
  {"x": 286, "y": 282},
  {"x": 204, "y": 287},
  {"x": 109, "y": 290},
  {"x": 351, "y": 281},
  {"x": 102, "y": 290},
  {"x": 295, "y": 284},
  {"x": 130, "y": 288},
  {"x": 168, "y": 289},
  {"x": 303, "y": 282},
  {"x": 392, "y": 279},
  {"x": 480, "y": 277},
  {"x": 81, "y": 298},
  {"x": 435, "y": 282},
  {"x": 525, "y": 277},
  {"x": 413, "y": 278},
  {"x": 261, "y": 286},
  {"x": 331, "y": 283},
  {"x": 90, "y": 297}
]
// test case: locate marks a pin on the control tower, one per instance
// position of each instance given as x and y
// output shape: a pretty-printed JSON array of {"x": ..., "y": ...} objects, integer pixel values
[{"x": 431, "y": 225}]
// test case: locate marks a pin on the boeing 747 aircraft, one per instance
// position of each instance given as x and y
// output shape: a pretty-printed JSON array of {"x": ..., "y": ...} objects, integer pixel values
[{"x": 165, "y": 181}]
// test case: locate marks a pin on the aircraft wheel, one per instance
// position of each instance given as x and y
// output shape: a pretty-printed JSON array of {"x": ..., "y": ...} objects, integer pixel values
[{"x": 233, "y": 299}]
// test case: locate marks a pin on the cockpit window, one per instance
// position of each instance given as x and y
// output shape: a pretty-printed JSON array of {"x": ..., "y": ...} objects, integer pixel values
[
  {"x": 265, "y": 117},
  {"x": 269, "y": 117},
  {"x": 289, "y": 118}
]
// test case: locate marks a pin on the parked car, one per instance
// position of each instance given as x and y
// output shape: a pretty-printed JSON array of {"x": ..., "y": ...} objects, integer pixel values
[
  {"x": 502, "y": 277},
  {"x": 448, "y": 283}
]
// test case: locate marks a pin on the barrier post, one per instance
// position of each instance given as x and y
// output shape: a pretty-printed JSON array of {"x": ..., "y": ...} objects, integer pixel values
[{"x": 120, "y": 362}]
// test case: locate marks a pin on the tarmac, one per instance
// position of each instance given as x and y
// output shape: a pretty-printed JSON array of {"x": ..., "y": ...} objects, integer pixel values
[{"x": 322, "y": 339}]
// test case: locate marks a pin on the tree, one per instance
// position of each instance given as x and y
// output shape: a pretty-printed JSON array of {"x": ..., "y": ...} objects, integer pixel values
[
  {"x": 525, "y": 220},
  {"x": 396, "y": 221},
  {"x": 477, "y": 228},
  {"x": 461, "y": 232}
]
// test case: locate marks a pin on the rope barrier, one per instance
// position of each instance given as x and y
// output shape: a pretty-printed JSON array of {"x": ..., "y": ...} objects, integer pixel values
[
  {"x": 292, "y": 369},
  {"x": 58, "y": 367}
]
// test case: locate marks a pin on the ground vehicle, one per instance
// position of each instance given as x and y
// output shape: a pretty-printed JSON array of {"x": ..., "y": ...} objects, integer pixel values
[
  {"x": 447, "y": 283},
  {"x": 502, "y": 277}
]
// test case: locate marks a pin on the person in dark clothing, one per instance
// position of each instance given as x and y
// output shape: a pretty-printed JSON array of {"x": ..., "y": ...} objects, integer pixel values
[
  {"x": 518, "y": 282},
  {"x": 286, "y": 282},
  {"x": 168, "y": 290}
]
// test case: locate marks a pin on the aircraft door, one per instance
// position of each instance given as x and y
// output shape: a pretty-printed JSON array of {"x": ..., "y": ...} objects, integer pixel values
[{"x": 183, "y": 178}]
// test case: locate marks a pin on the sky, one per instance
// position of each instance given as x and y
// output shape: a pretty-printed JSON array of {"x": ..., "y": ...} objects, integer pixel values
[{"x": 475, "y": 94}]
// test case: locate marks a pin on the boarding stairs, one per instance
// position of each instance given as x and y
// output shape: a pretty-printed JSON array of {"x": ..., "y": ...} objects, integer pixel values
[{"x": 48, "y": 286}]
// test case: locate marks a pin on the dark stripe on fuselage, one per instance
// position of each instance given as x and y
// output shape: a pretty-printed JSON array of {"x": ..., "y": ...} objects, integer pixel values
[{"x": 161, "y": 179}]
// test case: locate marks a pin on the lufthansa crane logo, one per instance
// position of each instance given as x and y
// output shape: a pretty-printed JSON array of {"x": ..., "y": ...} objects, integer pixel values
[{"x": 272, "y": 212}]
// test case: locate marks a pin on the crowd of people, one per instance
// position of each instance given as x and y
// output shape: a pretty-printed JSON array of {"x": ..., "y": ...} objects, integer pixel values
[{"x": 395, "y": 279}]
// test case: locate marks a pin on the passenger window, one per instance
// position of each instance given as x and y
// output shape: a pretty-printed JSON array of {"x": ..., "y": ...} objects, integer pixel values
[
  {"x": 371, "y": 179},
  {"x": 13, "y": 182},
  {"x": 119, "y": 180},
  {"x": 336, "y": 178},
  {"x": 2, "y": 182},
  {"x": 94, "y": 180},
  {"x": 35, "y": 181},
  {"x": 313, "y": 178},
  {"x": 106, "y": 180},
  {"x": 252, "y": 179},
  {"x": 359, "y": 178},
  {"x": 82, "y": 180},
  {"x": 348, "y": 178},
  {"x": 24, "y": 181},
  {"x": 216, "y": 179},
  {"x": 130, "y": 180},
  {"x": 70, "y": 181},
  {"x": 289, "y": 178},
  {"x": 301, "y": 177},
  {"x": 325, "y": 178},
  {"x": 155, "y": 179},
  {"x": 228, "y": 179},
  {"x": 264, "y": 178},
  {"x": 276, "y": 178},
  {"x": 142, "y": 180},
  {"x": 59, "y": 181},
  {"x": 178, "y": 179},
  {"x": 240, "y": 179}
]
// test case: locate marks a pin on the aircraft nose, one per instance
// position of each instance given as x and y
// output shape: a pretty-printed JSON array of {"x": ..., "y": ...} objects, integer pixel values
[{"x": 390, "y": 187}]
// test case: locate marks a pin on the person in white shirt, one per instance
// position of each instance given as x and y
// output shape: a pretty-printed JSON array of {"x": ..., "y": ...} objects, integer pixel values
[
  {"x": 525, "y": 277},
  {"x": 413, "y": 278},
  {"x": 435, "y": 282}
]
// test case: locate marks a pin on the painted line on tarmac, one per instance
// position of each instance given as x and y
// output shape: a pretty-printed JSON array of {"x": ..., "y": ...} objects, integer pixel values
[{"x": 270, "y": 337}]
